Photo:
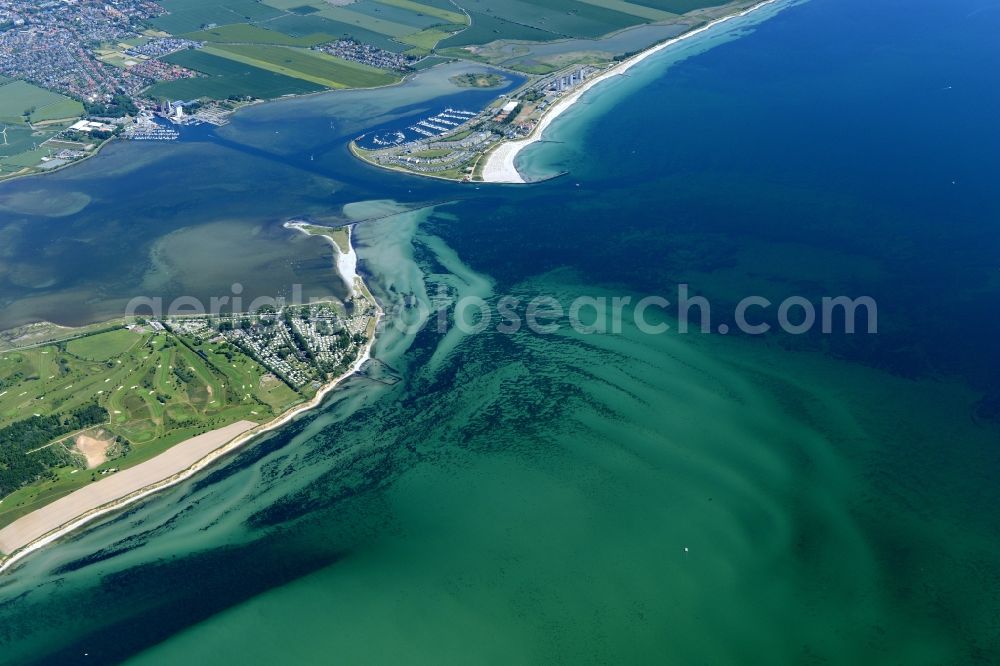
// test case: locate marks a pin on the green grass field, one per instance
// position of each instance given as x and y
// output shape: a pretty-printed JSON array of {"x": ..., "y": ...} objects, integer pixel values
[
  {"x": 19, "y": 140},
  {"x": 156, "y": 389},
  {"x": 103, "y": 347},
  {"x": 633, "y": 9},
  {"x": 486, "y": 28},
  {"x": 191, "y": 15},
  {"x": 299, "y": 26},
  {"x": 25, "y": 147},
  {"x": 226, "y": 77},
  {"x": 310, "y": 66},
  {"x": 679, "y": 6},
  {"x": 567, "y": 18},
  {"x": 428, "y": 39},
  {"x": 21, "y": 149},
  {"x": 18, "y": 97},
  {"x": 351, "y": 17},
  {"x": 294, "y": 5},
  {"x": 258, "y": 47},
  {"x": 446, "y": 15},
  {"x": 243, "y": 33},
  {"x": 414, "y": 20}
]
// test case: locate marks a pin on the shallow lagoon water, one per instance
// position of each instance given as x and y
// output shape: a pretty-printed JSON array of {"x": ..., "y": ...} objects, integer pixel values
[
  {"x": 78, "y": 244},
  {"x": 629, "y": 498}
]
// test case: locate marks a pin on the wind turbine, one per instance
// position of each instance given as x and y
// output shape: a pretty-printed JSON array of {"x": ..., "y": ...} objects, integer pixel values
[{"x": 4, "y": 135}]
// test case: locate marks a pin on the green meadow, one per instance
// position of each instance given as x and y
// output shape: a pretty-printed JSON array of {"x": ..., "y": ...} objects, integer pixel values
[
  {"x": 679, "y": 6},
  {"x": 225, "y": 77},
  {"x": 312, "y": 66},
  {"x": 19, "y": 99},
  {"x": 21, "y": 106},
  {"x": 243, "y": 33},
  {"x": 262, "y": 48},
  {"x": 428, "y": 39},
  {"x": 190, "y": 15},
  {"x": 157, "y": 387},
  {"x": 486, "y": 28},
  {"x": 447, "y": 15},
  {"x": 633, "y": 9},
  {"x": 300, "y": 26},
  {"x": 258, "y": 48}
]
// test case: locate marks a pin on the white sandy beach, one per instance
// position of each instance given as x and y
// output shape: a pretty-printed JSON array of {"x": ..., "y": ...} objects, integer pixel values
[
  {"x": 347, "y": 262},
  {"x": 40, "y": 528},
  {"x": 122, "y": 484},
  {"x": 499, "y": 167}
]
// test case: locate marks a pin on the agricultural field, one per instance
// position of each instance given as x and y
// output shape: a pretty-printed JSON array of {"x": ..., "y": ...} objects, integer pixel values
[
  {"x": 633, "y": 9},
  {"x": 225, "y": 77},
  {"x": 243, "y": 33},
  {"x": 548, "y": 20},
  {"x": 191, "y": 15},
  {"x": 269, "y": 44},
  {"x": 562, "y": 18},
  {"x": 20, "y": 139},
  {"x": 408, "y": 18},
  {"x": 19, "y": 100},
  {"x": 427, "y": 40},
  {"x": 30, "y": 116},
  {"x": 318, "y": 68},
  {"x": 382, "y": 23},
  {"x": 679, "y": 6},
  {"x": 300, "y": 26},
  {"x": 265, "y": 48},
  {"x": 486, "y": 29},
  {"x": 353, "y": 17},
  {"x": 445, "y": 12},
  {"x": 157, "y": 388}
]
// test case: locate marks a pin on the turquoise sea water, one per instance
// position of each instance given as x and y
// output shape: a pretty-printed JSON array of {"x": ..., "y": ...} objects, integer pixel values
[{"x": 620, "y": 498}]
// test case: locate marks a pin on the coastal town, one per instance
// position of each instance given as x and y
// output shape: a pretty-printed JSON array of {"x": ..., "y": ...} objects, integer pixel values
[
  {"x": 110, "y": 63},
  {"x": 107, "y": 395},
  {"x": 304, "y": 346},
  {"x": 453, "y": 145},
  {"x": 47, "y": 43},
  {"x": 142, "y": 69},
  {"x": 367, "y": 54}
]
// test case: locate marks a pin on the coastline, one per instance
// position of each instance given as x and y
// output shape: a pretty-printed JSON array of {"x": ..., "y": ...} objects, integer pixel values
[
  {"x": 44, "y": 172},
  {"x": 355, "y": 151},
  {"x": 500, "y": 163},
  {"x": 57, "y": 531},
  {"x": 257, "y": 102},
  {"x": 347, "y": 261},
  {"x": 498, "y": 168}
]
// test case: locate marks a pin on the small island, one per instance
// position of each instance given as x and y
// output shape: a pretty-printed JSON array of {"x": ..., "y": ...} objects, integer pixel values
[{"x": 478, "y": 80}]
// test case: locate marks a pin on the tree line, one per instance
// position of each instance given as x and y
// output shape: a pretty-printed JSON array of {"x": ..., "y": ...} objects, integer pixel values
[{"x": 18, "y": 467}]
